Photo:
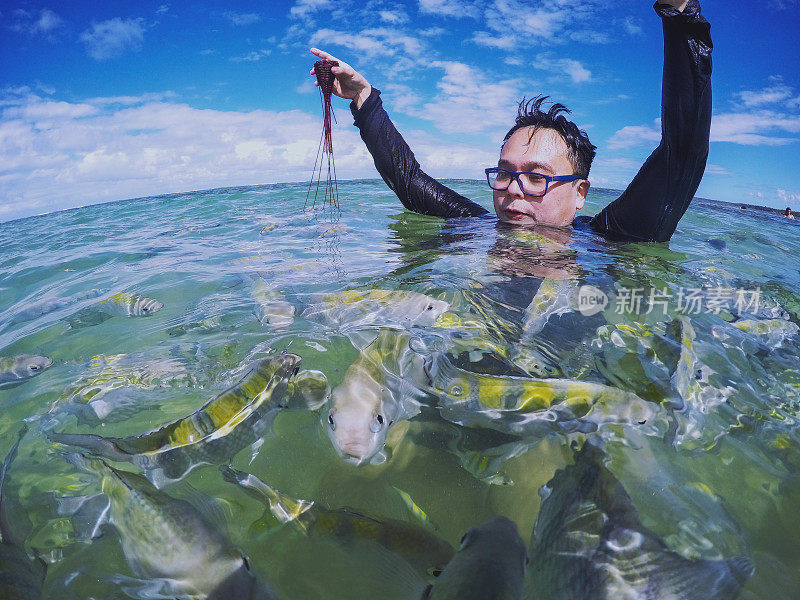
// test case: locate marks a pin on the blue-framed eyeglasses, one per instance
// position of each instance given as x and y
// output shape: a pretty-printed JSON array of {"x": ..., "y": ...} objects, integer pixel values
[{"x": 531, "y": 184}]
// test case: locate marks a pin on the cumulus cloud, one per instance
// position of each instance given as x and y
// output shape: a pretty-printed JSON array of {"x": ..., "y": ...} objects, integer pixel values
[
  {"x": 762, "y": 128},
  {"x": 56, "y": 154},
  {"x": 254, "y": 56},
  {"x": 112, "y": 38},
  {"x": 379, "y": 41},
  {"x": 394, "y": 17},
  {"x": 469, "y": 102},
  {"x": 303, "y": 8},
  {"x": 560, "y": 67},
  {"x": 241, "y": 19},
  {"x": 449, "y": 8},
  {"x": 632, "y": 25},
  {"x": 42, "y": 22},
  {"x": 634, "y": 135}
]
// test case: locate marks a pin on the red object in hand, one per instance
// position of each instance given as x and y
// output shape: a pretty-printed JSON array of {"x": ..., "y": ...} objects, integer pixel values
[{"x": 322, "y": 69}]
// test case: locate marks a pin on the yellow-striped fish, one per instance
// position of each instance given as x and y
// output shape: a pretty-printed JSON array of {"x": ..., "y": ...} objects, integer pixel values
[
  {"x": 130, "y": 305},
  {"x": 212, "y": 434},
  {"x": 520, "y": 405},
  {"x": 423, "y": 550}
]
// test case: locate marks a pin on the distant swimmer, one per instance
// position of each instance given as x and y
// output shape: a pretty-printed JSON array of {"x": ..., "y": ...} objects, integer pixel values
[
  {"x": 788, "y": 213},
  {"x": 542, "y": 175}
]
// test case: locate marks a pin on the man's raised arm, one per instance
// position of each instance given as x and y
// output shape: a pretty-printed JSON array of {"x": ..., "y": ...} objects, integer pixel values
[
  {"x": 393, "y": 158},
  {"x": 650, "y": 208}
]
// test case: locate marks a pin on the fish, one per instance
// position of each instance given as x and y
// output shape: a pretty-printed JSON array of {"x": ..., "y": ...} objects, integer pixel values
[
  {"x": 772, "y": 332},
  {"x": 377, "y": 390},
  {"x": 115, "y": 371},
  {"x": 356, "y": 310},
  {"x": 168, "y": 538},
  {"x": 272, "y": 308},
  {"x": 15, "y": 370},
  {"x": 226, "y": 424},
  {"x": 423, "y": 550},
  {"x": 692, "y": 381},
  {"x": 20, "y": 577},
  {"x": 554, "y": 297},
  {"x": 588, "y": 542},
  {"x": 130, "y": 305},
  {"x": 48, "y": 305},
  {"x": 489, "y": 565},
  {"x": 524, "y": 406}
]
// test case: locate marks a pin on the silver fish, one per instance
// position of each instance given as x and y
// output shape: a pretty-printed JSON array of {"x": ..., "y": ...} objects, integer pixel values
[
  {"x": 15, "y": 370},
  {"x": 168, "y": 538},
  {"x": 212, "y": 434},
  {"x": 356, "y": 310},
  {"x": 588, "y": 542},
  {"x": 489, "y": 565},
  {"x": 377, "y": 391},
  {"x": 272, "y": 308},
  {"x": 20, "y": 577}
]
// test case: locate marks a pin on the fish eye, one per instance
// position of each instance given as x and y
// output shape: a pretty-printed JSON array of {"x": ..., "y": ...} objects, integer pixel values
[
  {"x": 331, "y": 422},
  {"x": 245, "y": 562},
  {"x": 377, "y": 424},
  {"x": 430, "y": 307},
  {"x": 456, "y": 390},
  {"x": 34, "y": 367}
]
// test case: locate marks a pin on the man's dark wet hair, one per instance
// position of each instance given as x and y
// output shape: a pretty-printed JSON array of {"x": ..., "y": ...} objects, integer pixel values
[{"x": 580, "y": 150}]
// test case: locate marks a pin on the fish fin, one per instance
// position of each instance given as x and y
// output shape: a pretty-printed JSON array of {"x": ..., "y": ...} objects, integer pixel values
[
  {"x": 394, "y": 568},
  {"x": 96, "y": 444},
  {"x": 361, "y": 338},
  {"x": 415, "y": 510},
  {"x": 90, "y": 517},
  {"x": 699, "y": 579},
  {"x": 380, "y": 457}
]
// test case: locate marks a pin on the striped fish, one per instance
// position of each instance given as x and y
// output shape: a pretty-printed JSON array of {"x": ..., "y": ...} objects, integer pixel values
[
  {"x": 520, "y": 405},
  {"x": 212, "y": 434},
  {"x": 167, "y": 538},
  {"x": 423, "y": 550},
  {"x": 130, "y": 305}
]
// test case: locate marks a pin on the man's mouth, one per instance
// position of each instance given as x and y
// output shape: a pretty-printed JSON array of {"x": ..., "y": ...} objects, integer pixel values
[{"x": 515, "y": 214}]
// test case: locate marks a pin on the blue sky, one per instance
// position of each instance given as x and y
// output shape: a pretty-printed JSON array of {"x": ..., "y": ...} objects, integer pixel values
[{"x": 106, "y": 101}]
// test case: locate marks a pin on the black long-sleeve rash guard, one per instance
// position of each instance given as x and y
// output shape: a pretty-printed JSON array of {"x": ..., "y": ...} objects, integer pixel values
[{"x": 651, "y": 206}]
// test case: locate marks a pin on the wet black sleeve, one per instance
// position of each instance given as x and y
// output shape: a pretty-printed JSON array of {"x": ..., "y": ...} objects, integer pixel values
[
  {"x": 400, "y": 170},
  {"x": 654, "y": 202}
]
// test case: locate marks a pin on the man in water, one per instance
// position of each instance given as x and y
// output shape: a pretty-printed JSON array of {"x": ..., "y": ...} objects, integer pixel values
[
  {"x": 543, "y": 170},
  {"x": 788, "y": 213}
]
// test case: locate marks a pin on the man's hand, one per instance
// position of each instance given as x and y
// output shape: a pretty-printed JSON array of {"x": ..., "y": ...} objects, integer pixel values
[
  {"x": 679, "y": 4},
  {"x": 349, "y": 83}
]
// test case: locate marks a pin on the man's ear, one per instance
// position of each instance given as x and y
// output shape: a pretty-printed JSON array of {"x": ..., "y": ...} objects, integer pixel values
[{"x": 580, "y": 193}]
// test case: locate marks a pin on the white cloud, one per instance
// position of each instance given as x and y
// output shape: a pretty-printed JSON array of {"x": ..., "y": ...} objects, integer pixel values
[
  {"x": 712, "y": 169},
  {"x": 116, "y": 148},
  {"x": 163, "y": 9},
  {"x": 633, "y": 135},
  {"x": 754, "y": 129},
  {"x": 394, "y": 17},
  {"x": 380, "y": 41},
  {"x": 770, "y": 95},
  {"x": 748, "y": 129},
  {"x": 303, "y": 8},
  {"x": 254, "y": 56},
  {"x": 449, "y": 8},
  {"x": 563, "y": 66},
  {"x": 110, "y": 150},
  {"x": 632, "y": 25},
  {"x": 241, "y": 19},
  {"x": 468, "y": 102},
  {"x": 42, "y": 22},
  {"x": 110, "y": 39},
  {"x": 787, "y": 197}
]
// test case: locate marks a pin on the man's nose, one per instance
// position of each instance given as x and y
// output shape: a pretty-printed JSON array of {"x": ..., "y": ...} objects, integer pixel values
[{"x": 514, "y": 189}]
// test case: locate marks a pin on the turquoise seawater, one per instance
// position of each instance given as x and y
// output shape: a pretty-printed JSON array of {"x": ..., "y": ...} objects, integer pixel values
[{"x": 713, "y": 469}]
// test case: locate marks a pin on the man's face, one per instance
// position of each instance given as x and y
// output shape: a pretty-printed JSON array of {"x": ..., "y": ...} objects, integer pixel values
[{"x": 546, "y": 153}]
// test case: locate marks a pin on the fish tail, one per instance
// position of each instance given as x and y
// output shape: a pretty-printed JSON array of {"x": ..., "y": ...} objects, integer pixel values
[{"x": 94, "y": 443}]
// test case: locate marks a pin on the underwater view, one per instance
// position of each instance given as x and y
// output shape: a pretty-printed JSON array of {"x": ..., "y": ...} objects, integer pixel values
[{"x": 240, "y": 393}]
